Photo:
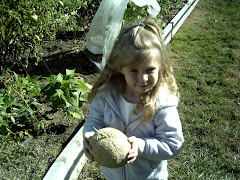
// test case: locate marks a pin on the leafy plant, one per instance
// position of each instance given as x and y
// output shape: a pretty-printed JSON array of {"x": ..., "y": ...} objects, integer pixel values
[
  {"x": 134, "y": 13},
  {"x": 66, "y": 92},
  {"x": 24, "y": 24},
  {"x": 169, "y": 8},
  {"x": 20, "y": 95},
  {"x": 22, "y": 28},
  {"x": 17, "y": 104}
]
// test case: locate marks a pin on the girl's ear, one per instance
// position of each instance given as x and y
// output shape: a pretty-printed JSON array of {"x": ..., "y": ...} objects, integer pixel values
[{"x": 121, "y": 71}]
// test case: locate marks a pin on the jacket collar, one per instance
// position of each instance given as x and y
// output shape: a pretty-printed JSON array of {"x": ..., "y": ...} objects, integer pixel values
[{"x": 112, "y": 98}]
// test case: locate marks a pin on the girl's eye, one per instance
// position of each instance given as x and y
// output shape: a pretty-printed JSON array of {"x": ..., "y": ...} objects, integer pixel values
[
  {"x": 133, "y": 70},
  {"x": 151, "y": 70}
]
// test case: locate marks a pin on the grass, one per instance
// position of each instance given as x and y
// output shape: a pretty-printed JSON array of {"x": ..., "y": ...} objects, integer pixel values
[
  {"x": 91, "y": 171},
  {"x": 206, "y": 53},
  {"x": 206, "y": 60}
]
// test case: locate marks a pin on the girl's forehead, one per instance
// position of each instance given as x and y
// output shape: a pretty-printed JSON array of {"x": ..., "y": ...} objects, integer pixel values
[
  {"x": 151, "y": 62},
  {"x": 146, "y": 58}
]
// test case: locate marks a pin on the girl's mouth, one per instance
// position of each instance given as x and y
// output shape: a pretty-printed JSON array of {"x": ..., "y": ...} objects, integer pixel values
[{"x": 143, "y": 86}]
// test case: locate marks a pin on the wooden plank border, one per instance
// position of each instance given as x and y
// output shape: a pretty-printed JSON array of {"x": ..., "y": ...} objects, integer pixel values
[
  {"x": 173, "y": 26},
  {"x": 70, "y": 162}
]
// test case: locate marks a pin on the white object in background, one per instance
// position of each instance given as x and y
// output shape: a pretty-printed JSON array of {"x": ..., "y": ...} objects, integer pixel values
[
  {"x": 107, "y": 24},
  {"x": 105, "y": 28},
  {"x": 153, "y": 9}
]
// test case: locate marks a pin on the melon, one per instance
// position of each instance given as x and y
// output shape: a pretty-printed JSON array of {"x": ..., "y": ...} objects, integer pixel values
[{"x": 109, "y": 147}]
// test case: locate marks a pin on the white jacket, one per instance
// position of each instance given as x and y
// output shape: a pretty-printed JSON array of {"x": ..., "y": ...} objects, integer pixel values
[{"x": 159, "y": 139}]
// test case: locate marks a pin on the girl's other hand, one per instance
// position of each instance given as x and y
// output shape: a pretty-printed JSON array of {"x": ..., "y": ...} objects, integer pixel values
[
  {"x": 133, "y": 153},
  {"x": 87, "y": 147}
]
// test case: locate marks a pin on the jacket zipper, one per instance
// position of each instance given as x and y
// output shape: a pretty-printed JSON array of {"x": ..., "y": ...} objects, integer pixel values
[
  {"x": 125, "y": 132},
  {"x": 125, "y": 127}
]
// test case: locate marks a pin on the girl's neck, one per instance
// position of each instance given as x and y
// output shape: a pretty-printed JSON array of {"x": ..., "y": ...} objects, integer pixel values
[{"x": 131, "y": 96}]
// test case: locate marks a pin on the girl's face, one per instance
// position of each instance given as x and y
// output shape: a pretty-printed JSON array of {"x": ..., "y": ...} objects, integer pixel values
[{"x": 140, "y": 78}]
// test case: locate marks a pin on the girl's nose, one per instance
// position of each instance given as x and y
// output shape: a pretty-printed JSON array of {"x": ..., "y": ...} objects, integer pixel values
[{"x": 143, "y": 78}]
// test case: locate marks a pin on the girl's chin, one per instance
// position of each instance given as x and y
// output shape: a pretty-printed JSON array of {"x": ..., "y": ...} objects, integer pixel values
[
  {"x": 142, "y": 90},
  {"x": 139, "y": 89}
]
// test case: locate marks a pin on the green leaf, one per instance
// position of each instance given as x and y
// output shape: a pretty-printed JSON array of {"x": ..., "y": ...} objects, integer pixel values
[
  {"x": 65, "y": 81},
  {"x": 20, "y": 105},
  {"x": 83, "y": 97},
  {"x": 12, "y": 119},
  {"x": 15, "y": 76},
  {"x": 70, "y": 73},
  {"x": 3, "y": 30},
  {"x": 73, "y": 82},
  {"x": 9, "y": 131},
  {"x": 80, "y": 86},
  {"x": 8, "y": 100},
  {"x": 12, "y": 40},
  {"x": 32, "y": 114},
  {"x": 59, "y": 93},
  {"x": 33, "y": 78},
  {"x": 77, "y": 115},
  {"x": 59, "y": 78},
  {"x": 58, "y": 103},
  {"x": 20, "y": 125},
  {"x": 18, "y": 19},
  {"x": 74, "y": 101},
  {"x": 70, "y": 116},
  {"x": 21, "y": 134},
  {"x": 67, "y": 104},
  {"x": 5, "y": 114},
  {"x": 35, "y": 103},
  {"x": 3, "y": 122}
]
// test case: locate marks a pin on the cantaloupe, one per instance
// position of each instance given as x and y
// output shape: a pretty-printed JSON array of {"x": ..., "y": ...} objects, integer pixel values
[{"x": 109, "y": 147}]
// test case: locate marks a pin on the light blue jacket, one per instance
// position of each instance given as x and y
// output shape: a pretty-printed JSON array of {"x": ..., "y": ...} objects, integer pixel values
[{"x": 159, "y": 139}]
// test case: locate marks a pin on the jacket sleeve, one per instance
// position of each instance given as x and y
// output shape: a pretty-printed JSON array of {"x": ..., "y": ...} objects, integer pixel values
[
  {"x": 168, "y": 138},
  {"x": 95, "y": 118}
]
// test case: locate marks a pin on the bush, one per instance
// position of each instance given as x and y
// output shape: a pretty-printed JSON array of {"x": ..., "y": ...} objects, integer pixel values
[{"x": 24, "y": 24}]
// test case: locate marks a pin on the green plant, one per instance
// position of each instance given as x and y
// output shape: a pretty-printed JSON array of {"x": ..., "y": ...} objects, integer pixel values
[
  {"x": 22, "y": 27},
  {"x": 134, "y": 13},
  {"x": 19, "y": 100},
  {"x": 66, "y": 92},
  {"x": 24, "y": 24},
  {"x": 17, "y": 104},
  {"x": 169, "y": 8}
]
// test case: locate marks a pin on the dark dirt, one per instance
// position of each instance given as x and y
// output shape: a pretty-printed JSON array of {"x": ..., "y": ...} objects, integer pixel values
[{"x": 65, "y": 52}]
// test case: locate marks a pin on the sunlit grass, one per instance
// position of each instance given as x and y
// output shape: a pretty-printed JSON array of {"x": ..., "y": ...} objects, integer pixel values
[{"x": 206, "y": 60}]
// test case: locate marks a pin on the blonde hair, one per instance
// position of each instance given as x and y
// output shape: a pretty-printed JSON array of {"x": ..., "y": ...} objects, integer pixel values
[{"x": 133, "y": 46}]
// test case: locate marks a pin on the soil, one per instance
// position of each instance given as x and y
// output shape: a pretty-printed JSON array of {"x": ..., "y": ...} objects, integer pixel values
[
  {"x": 66, "y": 52},
  {"x": 35, "y": 155}
]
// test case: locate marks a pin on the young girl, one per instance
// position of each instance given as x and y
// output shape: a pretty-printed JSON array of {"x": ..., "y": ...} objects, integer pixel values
[{"x": 137, "y": 94}]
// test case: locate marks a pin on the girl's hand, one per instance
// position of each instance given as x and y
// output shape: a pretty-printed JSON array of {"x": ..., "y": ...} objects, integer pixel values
[
  {"x": 87, "y": 147},
  {"x": 133, "y": 153}
]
